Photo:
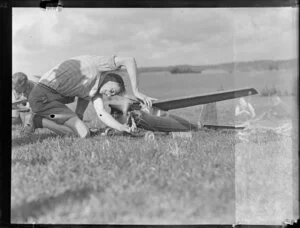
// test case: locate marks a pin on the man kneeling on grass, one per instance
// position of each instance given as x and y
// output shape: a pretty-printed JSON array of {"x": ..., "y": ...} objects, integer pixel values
[{"x": 85, "y": 77}]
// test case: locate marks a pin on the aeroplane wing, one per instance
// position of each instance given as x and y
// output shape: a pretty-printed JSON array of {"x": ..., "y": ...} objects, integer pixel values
[
  {"x": 123, "y": 103},
  {"x": 189, "y": 101}
]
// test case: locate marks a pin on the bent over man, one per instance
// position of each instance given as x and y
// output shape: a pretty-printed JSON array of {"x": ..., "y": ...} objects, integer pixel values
[{"x": 89, "y": 78}]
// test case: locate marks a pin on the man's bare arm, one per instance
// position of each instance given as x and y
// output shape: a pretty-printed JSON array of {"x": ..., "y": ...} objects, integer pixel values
[
  {"x": 107, "y": 118},
  {"x": 130, "y": 64}
]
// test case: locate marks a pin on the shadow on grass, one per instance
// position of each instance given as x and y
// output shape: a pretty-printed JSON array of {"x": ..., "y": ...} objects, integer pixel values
[
  {"x": 30, "y": 139},
  {"x": 37, "y": 208},
  {"x": 31, "y": 162}
]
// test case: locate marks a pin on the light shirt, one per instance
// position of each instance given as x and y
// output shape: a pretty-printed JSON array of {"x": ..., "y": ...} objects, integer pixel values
[
  {"x": 79, "y": 76},
  {"x": 244, "y": 113}
]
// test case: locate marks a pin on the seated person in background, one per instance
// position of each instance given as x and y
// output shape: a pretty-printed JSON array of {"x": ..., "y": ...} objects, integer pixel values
[
  {"x": 277, "y": 118},
  {"x": 244, "y": 111},
  {"x": 278, "y": 109}
]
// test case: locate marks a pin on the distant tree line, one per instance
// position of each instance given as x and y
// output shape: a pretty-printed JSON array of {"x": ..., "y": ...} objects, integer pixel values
[
  {"x": 272, "y": 90},
  {"x": 257, "y": 65}
]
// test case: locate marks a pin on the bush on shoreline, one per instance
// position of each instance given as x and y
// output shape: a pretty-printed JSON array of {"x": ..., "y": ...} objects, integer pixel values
[{"x": 182, "y": 69}]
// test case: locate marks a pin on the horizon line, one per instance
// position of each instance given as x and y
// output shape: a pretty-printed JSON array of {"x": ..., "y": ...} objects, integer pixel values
[{"x": 212, "y": 64}]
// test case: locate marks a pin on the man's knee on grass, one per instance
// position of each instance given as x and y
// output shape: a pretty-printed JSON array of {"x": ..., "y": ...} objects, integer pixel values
[
  {"x": 70, "y": 128},
  {"x": 78, "y": 127}
]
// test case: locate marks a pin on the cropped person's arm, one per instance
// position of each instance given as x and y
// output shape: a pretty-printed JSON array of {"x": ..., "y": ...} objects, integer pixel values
[{"x": 107, "y": 118}]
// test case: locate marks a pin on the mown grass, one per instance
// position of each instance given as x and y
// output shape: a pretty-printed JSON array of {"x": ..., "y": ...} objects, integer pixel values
[
  {"x": 124, "y": 180},
  {"x": 127, "y": 180},
  {"x": 266, "y": 180}
]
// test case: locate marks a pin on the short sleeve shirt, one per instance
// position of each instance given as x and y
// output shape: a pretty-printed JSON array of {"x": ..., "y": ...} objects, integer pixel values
[{"x": 78, "y": 75}]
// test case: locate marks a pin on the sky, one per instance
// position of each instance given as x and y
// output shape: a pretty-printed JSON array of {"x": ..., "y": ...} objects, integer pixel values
[{"x": 154, "y": 36}]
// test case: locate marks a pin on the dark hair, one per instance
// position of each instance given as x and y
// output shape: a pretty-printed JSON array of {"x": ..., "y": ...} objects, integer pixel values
[
  {"x": 19, "y": 79},
  {"x": 113, "y": 77}
]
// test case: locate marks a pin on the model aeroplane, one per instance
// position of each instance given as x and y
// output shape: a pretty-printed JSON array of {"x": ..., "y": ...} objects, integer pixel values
[{"x": 157, "y": 119}]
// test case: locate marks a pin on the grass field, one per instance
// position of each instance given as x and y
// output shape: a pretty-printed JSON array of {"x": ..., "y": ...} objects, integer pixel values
[{"x": 131, "y": 180}]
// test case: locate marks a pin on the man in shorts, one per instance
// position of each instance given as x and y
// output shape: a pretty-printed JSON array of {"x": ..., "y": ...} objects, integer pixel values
[{"x": 88, "y": 78}]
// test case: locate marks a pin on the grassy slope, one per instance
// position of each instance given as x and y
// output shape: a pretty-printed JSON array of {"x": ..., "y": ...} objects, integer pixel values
[
  {"x": 124, "y": 180},
  {"x": 128, "y": 180}
]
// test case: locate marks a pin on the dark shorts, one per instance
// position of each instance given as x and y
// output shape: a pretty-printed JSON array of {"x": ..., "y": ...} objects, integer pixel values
[{"x": 49, "y": 104}]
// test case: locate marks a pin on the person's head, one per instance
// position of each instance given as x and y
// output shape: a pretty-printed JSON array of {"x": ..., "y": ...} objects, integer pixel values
[
  {"x": 275, "y": 99},
  {"x": 243, "y": 102},
  {"x": 19, "y": 82},
  {"x": 111, "y": 85}
]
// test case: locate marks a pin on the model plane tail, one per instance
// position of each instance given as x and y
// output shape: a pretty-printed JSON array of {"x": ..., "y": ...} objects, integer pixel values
[
  {"x": 208, "y": 119},
  {"x": 208, "y": 114}
]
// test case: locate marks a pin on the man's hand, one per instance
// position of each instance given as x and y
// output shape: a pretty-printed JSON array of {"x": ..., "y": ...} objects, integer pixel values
[
  {"x": 126, "y": 128},
  {"x": 130, "y": 126},
  {"x": 145, "y": 99}
]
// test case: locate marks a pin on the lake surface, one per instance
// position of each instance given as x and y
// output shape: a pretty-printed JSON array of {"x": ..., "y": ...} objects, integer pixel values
[{"x": 165, "y": 84}]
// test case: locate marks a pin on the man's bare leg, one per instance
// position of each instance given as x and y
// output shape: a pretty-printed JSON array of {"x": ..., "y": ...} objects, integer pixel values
[
  {"x": 78, "y": 127},
  {"x": 72, "y": 126},
  {"x": 57, "y": 128}
]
